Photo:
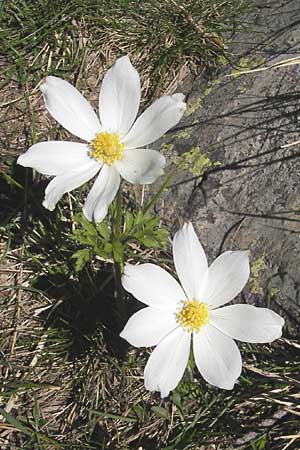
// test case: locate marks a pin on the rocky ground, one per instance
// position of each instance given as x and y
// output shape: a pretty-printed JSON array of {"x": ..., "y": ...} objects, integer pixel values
[{"x": 235, "y": 179}]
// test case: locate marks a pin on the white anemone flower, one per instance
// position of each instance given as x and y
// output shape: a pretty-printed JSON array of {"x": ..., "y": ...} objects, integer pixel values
[
  {"x": 176, "y": 313},
  {"x": 114, "y": 143}
]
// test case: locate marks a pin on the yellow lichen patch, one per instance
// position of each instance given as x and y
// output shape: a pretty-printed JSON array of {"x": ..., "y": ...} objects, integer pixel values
[
  {"x": 213, "y": 84},
  {"x": 259, "y": 274},
  {"x": 222, "y": 60},
  {"x": 195, "y": 161},
  {"x": 193, "y": 106},
  {"x": 166, "y": 149},
  {"x": 193, "y": 315},
  {"x": 182, "y": 135},
  {"x": 248, "y": 64},
  {"x": 106, "y": 147}
]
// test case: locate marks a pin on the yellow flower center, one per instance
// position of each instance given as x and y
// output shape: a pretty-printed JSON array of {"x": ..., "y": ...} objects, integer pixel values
[
  {"x": 193, "y": 315},
  {"x": 106, "y": 147}
]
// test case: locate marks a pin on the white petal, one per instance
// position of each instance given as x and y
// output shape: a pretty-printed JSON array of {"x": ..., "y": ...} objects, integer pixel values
[
  {"x": 226, "y": 278},
  {"x": 190, "y": 260},
  {"x": 68, "y": 181},
  {"x": 141, "y": 166},
  {"x": 153, "y": 286},
  {"x": 65, "y": 103},
  {"x": 162, "y": 115},
  {"x": 248, "y": 323},
  {"x": 217, "y": 357},
  {"x": 55, "y": 157},
  {"x": 167, "y": 362},
  {"x": 120, "y": 96},
  {"x": 148, "y": 327},
  {"x": 102, "y": 194}
]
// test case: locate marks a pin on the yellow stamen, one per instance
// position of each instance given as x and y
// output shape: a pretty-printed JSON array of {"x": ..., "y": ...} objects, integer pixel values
[
  {"x": 193, "y": 315},
  {"x": 106, "y": 147}
]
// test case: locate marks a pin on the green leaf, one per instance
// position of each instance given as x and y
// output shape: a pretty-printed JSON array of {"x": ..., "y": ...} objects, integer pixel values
[
  {"x": 176, "y": 399},
  {"x": 88, "y": 235},
  {"x": 104, "y": 230},
  {"x": 89, "y": 227},
  {"x": 118, "y": 251},
  {"x": 160, "y": 411},
  {"x": 149, "y": 242},
  {"x": 263, "y": 442},
  {"x": 82, "y": 257},
  {"x": 129, "y": 221},
  {"x": 27, "y": 430},
  {"x": 107, "y": 250},
  {"x": 152, "y": 222},
  {"x": 140, "y": 218},
  {"x": 11, "y": 180},
  {"x": 139, "y": 411},
  {"x": 84, "y": 239}
]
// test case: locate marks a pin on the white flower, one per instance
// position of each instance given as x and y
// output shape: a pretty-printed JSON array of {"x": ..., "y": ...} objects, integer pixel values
[
  {"x": 114, "y": 143},
  {"x": 175, "y": 313}
]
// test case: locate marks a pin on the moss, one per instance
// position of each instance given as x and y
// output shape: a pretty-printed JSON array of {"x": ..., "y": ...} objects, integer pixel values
[
  {"x": 194, "y": 161},
  {"x": 258, "y": 274}
]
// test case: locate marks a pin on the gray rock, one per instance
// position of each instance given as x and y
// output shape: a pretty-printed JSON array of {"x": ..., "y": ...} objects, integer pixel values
[{"x": 247, "y": 194}]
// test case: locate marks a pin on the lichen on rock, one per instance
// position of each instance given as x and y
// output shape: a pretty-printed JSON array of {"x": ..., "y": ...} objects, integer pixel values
[{"x": 194, "y": 161}]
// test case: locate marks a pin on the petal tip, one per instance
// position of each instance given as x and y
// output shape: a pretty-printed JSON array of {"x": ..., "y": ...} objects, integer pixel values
[
  {"x": 189, "y": 226},
  {"x": 124, "y": 58},
  {"x": 126, "y": 275},
  {"x": 179, "y": 97},
  {"x": 128, "y": 269},
  {"x": 279, "y": 335},
  {"x": 43, "y": 88},
  {"x": 86, "y": 214},
  {"x": 243, "y": 254},
  {"x": 94, "y": 216},
  {"x": 230, "y": 386},
  {"x": 151, "y": 388},
  {"x": 123, "y": 334},
  {"x": 21, "y": 160},
  {"x": 49, "y": 81},
  {"x": 48, "y": 205},
  {"x": 164, "y": 394}
]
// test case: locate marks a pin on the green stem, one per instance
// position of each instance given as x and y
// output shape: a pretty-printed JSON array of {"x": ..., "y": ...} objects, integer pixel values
[
  {"x": 118, "y": 221},
  {"x": 159, "y": 192},
  {"x": 118, "y": 262},
  {"x": 119, "y": 288}
]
